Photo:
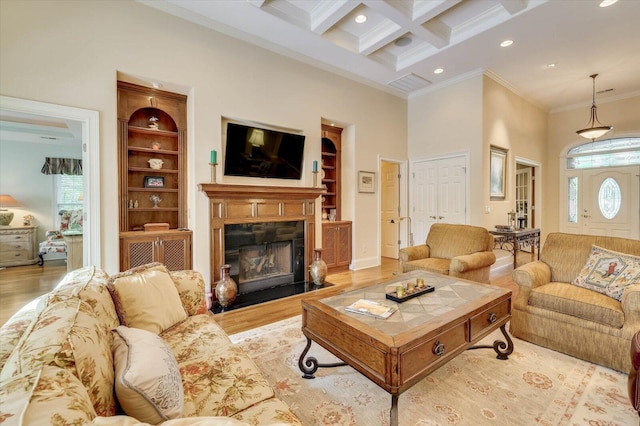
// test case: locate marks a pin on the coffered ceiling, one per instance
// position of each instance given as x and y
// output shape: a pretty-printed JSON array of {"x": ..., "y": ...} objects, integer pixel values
[{"x": 402, "y": 42}]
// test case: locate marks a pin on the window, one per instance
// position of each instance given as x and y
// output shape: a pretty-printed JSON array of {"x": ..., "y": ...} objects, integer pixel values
[
  {"x": 68, "y": 192},
  {"x": 606, "y": 153},
  {"x": 609, "y": 198},
  {"x": 573, "y": 199}
]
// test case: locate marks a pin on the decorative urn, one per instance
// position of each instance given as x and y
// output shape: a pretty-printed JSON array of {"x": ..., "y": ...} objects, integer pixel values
[
  {"x": 318, "y": 268},
  {"x": 226, "y": 289}
]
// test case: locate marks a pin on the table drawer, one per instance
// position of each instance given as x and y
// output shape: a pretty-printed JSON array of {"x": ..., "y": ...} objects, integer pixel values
[
  {"x": 15, "y": 245},
  {"x": 435, "y": 350},
  {"x": 492, "y": 315},
  {"x": 11, "y": 238},
  {"x": 15, "y": 255}
]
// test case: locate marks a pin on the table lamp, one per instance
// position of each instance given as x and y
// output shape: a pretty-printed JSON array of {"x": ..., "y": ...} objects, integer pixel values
[{"x": 6, "y": 216}]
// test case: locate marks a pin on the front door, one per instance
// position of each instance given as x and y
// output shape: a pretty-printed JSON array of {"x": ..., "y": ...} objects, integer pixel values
[{"x": 603, "y": 202}]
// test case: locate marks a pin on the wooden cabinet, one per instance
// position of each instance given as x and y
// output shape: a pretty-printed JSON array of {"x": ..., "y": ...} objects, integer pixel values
[
  {"x": 18, "y": 246},
  {"x": 152, "y": 162},
  {"x": 336, "y": 243},
  {"x": 331, "y": 168},
  {"x": 172, "y": 248}
]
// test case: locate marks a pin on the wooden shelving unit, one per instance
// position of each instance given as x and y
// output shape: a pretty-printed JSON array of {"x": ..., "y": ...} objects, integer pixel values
[
  {"x": 152, "y": 125},
  {"x": 331, "y": 168}
]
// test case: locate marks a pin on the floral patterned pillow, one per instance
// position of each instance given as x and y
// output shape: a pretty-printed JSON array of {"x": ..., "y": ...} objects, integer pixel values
[{"x": 609, "y": 272}]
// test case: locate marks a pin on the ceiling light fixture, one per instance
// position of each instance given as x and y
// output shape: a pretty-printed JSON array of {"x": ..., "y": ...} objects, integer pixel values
[
  {"x": 607, "y": 3},
  {"x": 506, "y": 43},
  {"x": 402, "y": 41},
  {"x": 438, "y": 71},
  {"x": 361, "y": 19},
  {"x": 593, "y": 132},
  {"x": 551, "y": 65}
]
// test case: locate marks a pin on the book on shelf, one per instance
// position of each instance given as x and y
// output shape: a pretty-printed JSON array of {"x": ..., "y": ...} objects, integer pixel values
[{"x": 371, "y": 308}]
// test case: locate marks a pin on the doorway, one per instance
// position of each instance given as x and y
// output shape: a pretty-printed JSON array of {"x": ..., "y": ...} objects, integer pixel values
[
  {"x": 526, "y": 194},
  {"x": 89, "y": 123}
]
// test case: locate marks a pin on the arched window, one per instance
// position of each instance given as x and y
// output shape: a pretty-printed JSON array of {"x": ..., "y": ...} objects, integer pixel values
[{"x": 607, "y": 153}]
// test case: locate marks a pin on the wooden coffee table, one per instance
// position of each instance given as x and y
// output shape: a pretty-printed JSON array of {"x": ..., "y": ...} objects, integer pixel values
[{"x": 425, "y": 333}]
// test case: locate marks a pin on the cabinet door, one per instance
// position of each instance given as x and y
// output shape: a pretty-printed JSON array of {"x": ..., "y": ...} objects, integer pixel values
[
  {"x": 329, "y": 237},
  {"x": 137, "y": 252},
  {"x": 343, "y": 244},
  {"x": 175, "y": 251}
]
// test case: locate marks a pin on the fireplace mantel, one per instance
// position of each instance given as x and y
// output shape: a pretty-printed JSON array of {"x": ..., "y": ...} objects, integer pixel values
[{"x": 236, "y": 204}]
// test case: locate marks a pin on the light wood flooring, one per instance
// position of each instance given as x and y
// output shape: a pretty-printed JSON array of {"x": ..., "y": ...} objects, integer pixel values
[{"x": 20, "y": 284}]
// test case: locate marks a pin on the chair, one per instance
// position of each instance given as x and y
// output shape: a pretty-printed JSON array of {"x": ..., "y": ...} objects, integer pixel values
[
  {"x": 463, "y": 251},
  {"x": 70, "y": 224},
  {"x": 634, "y": 377}
]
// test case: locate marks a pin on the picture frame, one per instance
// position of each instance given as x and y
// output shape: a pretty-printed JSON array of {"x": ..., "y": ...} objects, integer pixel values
[
  {"x": 366, "y": 182},
  {"x": 497, "y": 173},
  {"x": 154, "y": 182}
]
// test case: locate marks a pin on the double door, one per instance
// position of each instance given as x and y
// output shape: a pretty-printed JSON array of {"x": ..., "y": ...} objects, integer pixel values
[
  {"x": 439, "y": 194},
  {"x": 172, "y": 248}
]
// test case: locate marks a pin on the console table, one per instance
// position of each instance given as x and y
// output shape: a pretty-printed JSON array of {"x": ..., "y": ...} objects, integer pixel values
[{"x": 516, "y": 240}]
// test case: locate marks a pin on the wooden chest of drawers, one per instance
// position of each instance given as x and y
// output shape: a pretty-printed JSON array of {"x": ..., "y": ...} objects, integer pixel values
[{"x": 18, "y": 245}]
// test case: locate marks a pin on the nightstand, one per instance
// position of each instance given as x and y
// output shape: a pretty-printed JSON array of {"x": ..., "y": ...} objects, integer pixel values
[{"x": 18, "y": 245}]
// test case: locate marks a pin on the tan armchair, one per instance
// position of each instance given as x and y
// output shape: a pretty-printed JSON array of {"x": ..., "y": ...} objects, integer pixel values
[{"x": 463, "y": 251}]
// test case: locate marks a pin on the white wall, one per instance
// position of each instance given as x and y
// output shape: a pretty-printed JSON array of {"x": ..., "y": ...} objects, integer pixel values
[
  {"x": 20, "y": 165},
  {"x": 70, "y": 53},
  {"x": 449, "y": 121}
]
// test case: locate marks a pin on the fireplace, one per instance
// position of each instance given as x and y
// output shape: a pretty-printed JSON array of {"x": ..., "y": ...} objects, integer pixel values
[
  {"x": 265, "y": 254},
  {"x": 266, "y": 234}
]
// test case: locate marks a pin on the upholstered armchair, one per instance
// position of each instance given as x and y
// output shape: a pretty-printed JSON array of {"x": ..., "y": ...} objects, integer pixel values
[
  {"x": 70, "y": 224},
  {"x": 463, "y": 251}
]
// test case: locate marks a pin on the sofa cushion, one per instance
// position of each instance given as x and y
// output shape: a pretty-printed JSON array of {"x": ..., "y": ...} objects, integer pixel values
[
  {"x": 609, "y": 272},
  {"x": 14, "y": 328},
  {"x": 147, "y": 378},
  {"x": 221, "y": 381},
  {"x": 45, "y": 396},
  {"x": 146, "y": 297},
  {"x": 68, "y": 335},
  {"x": 433, "y": 264},
  {"x": 448, "y": 241},
  {"x": 190, "y": 285},
  {"x": 197, "y": 334},
  {"x": 90, "y": 285},
  {"x": 578, "y": 302}
]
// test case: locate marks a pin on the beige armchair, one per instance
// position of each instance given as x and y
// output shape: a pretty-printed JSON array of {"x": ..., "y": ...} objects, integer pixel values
[{"x": 463, "y": 251}]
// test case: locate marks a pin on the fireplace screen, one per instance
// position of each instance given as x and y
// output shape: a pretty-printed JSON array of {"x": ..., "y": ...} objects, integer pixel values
[{"x": 270, "y": 262}]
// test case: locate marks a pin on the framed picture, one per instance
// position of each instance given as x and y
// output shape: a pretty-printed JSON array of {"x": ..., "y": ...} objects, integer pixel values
[
  {"x": 498, "y": 172},
  {"x": 154, "y": 182},
  {"x": 366, "y": 182}
]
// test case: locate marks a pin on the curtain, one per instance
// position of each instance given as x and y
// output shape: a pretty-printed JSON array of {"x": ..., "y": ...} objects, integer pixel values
[{"x": 62, "y": 166}]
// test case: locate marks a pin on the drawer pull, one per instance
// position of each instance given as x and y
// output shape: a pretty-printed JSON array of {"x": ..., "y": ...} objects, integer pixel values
[
  {"x": 492, "y": 317},
  {"x": 438, "y": 348}
]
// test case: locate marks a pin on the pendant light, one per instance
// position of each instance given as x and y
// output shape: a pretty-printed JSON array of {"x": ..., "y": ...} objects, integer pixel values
[{"x": 593, "y": 132}]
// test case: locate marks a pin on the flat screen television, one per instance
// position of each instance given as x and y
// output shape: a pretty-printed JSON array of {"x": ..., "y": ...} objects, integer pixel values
[{"x": 265, "y": 153}]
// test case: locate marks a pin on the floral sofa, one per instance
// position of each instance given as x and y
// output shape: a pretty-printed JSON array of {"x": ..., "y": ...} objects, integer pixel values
[
  {"x": 139, "y": 347},
  {"x": 581, "y": 298}
]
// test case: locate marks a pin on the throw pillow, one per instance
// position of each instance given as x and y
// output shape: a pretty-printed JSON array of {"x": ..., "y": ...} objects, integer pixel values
[
  {"x": 146, "y": 297},
  {"x": 148, "y": 383},
  {"x": 609, "y": 272}
]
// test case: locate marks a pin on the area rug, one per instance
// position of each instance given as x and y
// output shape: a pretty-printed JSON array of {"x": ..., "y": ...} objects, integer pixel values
[{"x": 535, "y": 386}]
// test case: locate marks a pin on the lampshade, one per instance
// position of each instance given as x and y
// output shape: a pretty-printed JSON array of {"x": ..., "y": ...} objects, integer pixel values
[
  {"x": 593, "y": 132},
  {"x": 257, "y": 137},
  {"x": 6, "y": 216}
]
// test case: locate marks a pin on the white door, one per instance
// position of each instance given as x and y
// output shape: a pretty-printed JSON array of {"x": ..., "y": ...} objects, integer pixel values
[
  {"x": 603, "y": 201},
  {"x": 439, "y": 194},
  {"x": 390, "y": 208}
]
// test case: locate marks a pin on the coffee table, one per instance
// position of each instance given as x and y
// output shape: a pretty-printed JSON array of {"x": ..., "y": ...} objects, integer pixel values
[{"x": 422, "y": 335}]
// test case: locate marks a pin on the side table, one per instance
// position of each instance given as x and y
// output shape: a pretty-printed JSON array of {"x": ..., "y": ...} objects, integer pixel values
[
  {"x": 18, "y": 245},
  {"x": 516, "y": 240}
]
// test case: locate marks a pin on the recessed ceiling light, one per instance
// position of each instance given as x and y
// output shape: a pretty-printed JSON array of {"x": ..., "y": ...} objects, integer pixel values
[
  {"x": 506, "y": 43},
  {"x": 438, "y": 71},
  {"x": 551, "y": 65},
  {"x": 607, "y": 3},
  {"x": 402, "y": 41},
  {"x": 361, "y": 19}
]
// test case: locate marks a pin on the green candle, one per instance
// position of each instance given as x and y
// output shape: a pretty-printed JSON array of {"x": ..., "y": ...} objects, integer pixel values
[{"x": 214, "y": 157}]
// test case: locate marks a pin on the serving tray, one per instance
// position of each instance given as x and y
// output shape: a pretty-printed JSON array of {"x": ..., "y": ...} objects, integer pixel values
[{"x": 394, "y": 296}]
